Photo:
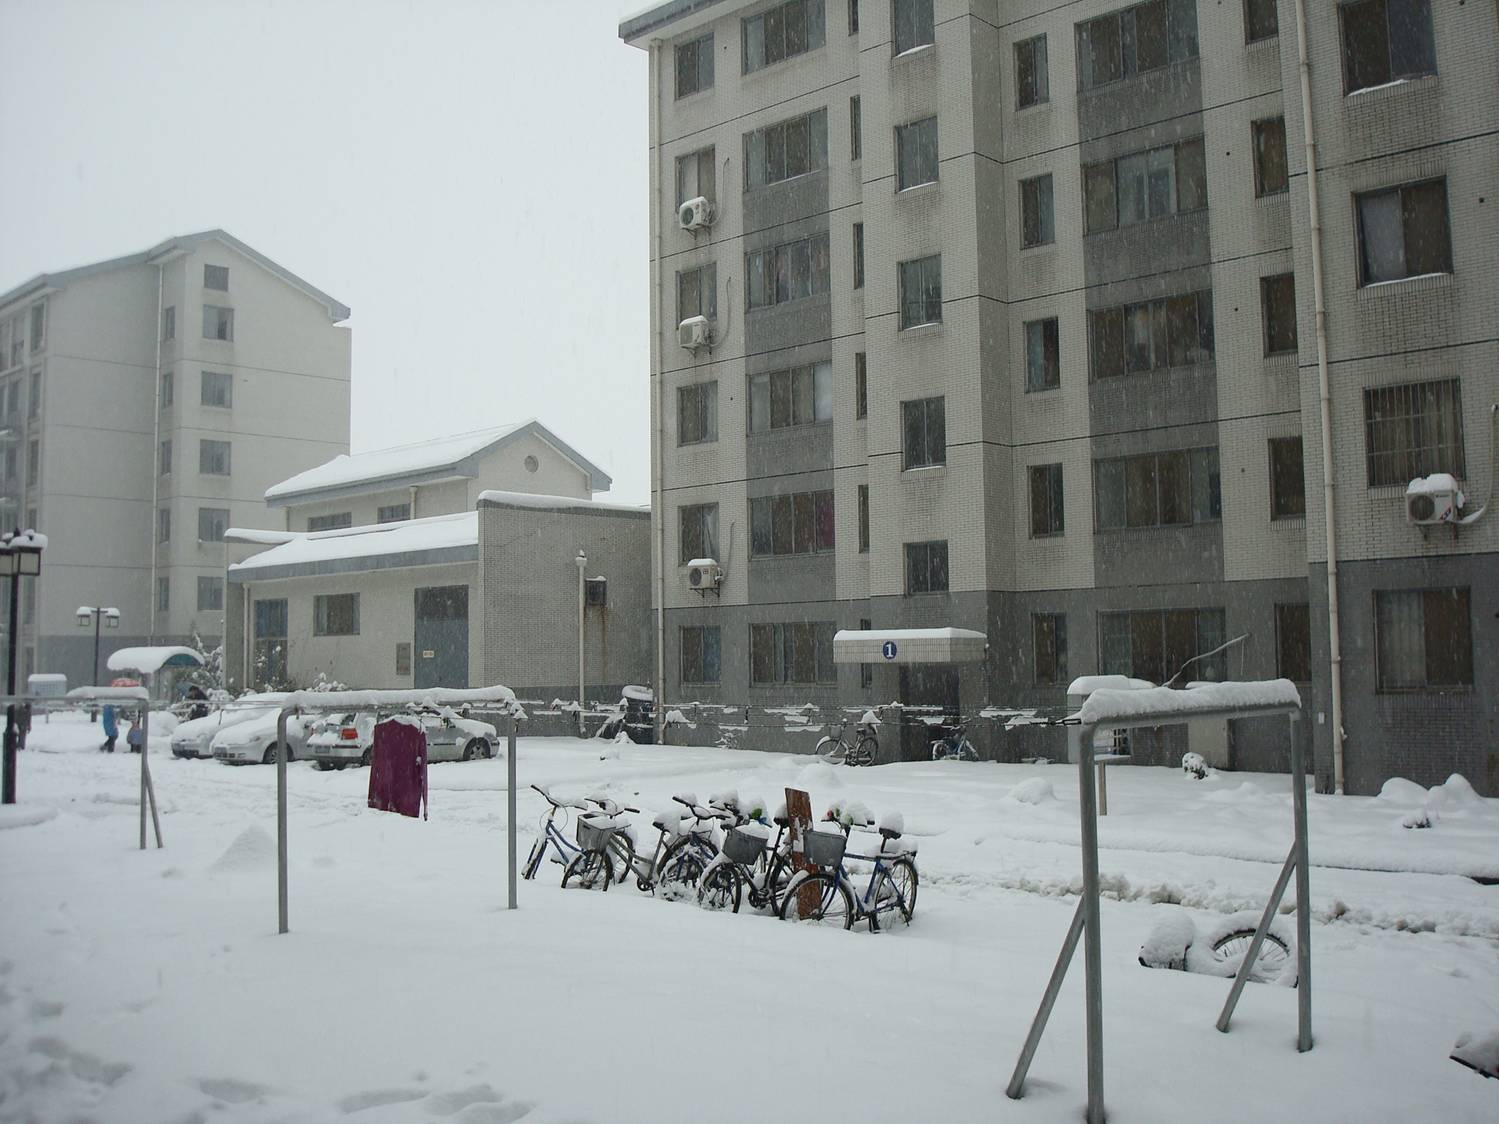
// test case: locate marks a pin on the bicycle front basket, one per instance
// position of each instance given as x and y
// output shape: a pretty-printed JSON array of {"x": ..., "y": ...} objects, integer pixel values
[
  {"x": 594, "y": 832},
  {"x": 823, "y": 848},
  {"x": 742, "y": 847}
]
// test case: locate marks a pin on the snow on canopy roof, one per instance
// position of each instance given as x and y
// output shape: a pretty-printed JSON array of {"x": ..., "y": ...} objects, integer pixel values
[
  {"x": 436, "y": 532},
  {"x": 152, "y": 660},
  {"x": 533, "y": 499},
  {"x": 1114, "y": 707},
  {"x": 259, "y": 536},
  {"x": 1087, "y": 684},
  {"x": 907, "y": 634}
]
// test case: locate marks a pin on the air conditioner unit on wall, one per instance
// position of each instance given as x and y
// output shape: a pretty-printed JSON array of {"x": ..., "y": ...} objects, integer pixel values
[
  {"x": 695, "y": 214},
  {"x": 704, "y": 574},
  {"x": 695, "y": 332},
  {"x": 1434, "y": 499}
]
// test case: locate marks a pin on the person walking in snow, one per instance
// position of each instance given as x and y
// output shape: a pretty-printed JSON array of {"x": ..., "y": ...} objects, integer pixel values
[
  {"x": 135, "y": 737},
  {"x": 111, "y": 729}
]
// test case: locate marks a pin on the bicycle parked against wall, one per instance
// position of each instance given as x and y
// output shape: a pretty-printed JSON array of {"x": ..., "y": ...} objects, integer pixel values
[
  {"x": 858, "y": 749},
  {"x": 828, "y": 895},
  {"x": 953, "y": 744}
]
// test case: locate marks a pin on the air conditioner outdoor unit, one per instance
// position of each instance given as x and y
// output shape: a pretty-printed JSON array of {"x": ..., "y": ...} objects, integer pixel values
[
  {"x": 695, "y": 214},
  {"x": 704, "y": 574},
  {"x": 695, "y": 332},
  {"x": 1434, "y": 499}
]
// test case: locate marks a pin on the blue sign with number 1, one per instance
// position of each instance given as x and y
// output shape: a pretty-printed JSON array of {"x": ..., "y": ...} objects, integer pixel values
[{"x": 888, "y": 649}]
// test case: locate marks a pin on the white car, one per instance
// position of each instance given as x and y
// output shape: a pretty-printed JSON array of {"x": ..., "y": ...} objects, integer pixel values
[
  {"x": 349, "y": 739},
  {"x": 254, "y": 740},
  {"x": 195, "y": 737}
]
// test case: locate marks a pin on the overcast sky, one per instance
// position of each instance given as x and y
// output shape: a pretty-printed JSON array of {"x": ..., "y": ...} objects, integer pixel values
[{"x": 469, "y": 176}]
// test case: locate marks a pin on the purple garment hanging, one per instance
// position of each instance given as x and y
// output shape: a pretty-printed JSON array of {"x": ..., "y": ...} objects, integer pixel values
[{"x": 398, "y": 768}]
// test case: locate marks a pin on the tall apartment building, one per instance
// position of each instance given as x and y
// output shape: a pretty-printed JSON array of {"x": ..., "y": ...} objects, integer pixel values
[
  {"x": 150, "y": 401},
  {"x": 1010, "y": 324}
]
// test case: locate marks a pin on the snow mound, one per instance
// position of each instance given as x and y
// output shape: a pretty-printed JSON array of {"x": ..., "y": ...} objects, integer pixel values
[
  {"x": 1480, "y": 1051},
  {"x": 1405, "y": 793},
  {"x": 252, "y": 849},
  {"x": 12, "y": 815},
  {"x": 1037, "y": 790},
  {"x": 817, "y": 774},
  {"x": 1167, "y": 944},
  {"x": 1455, "y": 793}
]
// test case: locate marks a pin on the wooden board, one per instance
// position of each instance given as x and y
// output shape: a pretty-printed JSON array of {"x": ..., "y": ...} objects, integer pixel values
[{"x": 799, "y": 817}]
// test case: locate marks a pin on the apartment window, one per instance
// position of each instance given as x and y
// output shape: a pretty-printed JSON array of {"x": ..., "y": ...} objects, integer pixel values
[
  {"x": 695, "y": 66},
  {"x": 1403, "y": 232},
  {"x": 912, "y": 25},
  {"x": 218, "y": 323},
  {"x": 1049, "y": 645},
  {"x": 18, "y": 340},
  {"x": 163, "y": 524},
  {"x": 1385, "y": 41},
  {"x": 12, "y": 464},
  {"x": 1151, "y": 336},
  {"x": 38, "y": 327},
  {"x": 1046, "y": 501},
  {"x": 1158, "y": 489},
  {"x": 169, "y": 322},
  {"x": 790, "y": 272},
  {"x": 861, "y": 385},
  {"x": 1293, "y": 642},
  {"x": 697, "y": 292},
  {"x": 798, "y": 652},
  {"x": 1423, "y": 639},
  {"x": 697, "y": 176},
  {"x": 1135, "y": 40},
  {"x": 858, "y": 255},
  {"x": 866, "y": 671},
  {"x": 697, "y": 413},
  {"x": 853, "y": 17},
  {"x": 926, "y": 567},
  {"x": 1043, "y": 355},
  {"x": 863, "y": 518},
  {"x": 916, "y": 153},
  {"x": 1413, "y": 430},
  {"x": 924, "y": 433},
  {"x": 166, "y": 458},
  {"x": 855, "y": 129},
  {"x": 31, "y": 522},
  {"x": 1271, "y": 174},
  {"x": 33, "y": 462},
  {"x": 921, "y": 292},
  {"x": 1036, "y": 227},
  {"x": 393, "y": 513},
  {"x": 783, "y": 32},
  {"x": 335, "y": 614},
  {"x": 1032, "y": 82},
  {"x": 217, "y": 389},
  {"x": 786, "y": 150},
  {"x": 1261, "y": 20},
  {"x": 1287, "y": 479},
  {"x": 213, "y": 524},
  {"x": 163, "y": 594},
  {"x": 270, "y": 642},
  {"x": 168, "y": 388},
  {"x": 12, "y": 398},
  {"x": 1145, "y": 186},
  {"x": 699, "y": 531},
  {"x": 1155, "y": 644},
  {"x": 334, "y": 522},
  {"x": 34, "y": 397},
  {"x": 210, "y": 594},
  {"x": 216, "y": 277},
  {"x": 1278, "y": 311},
  {"x": 801, "y": 523},
  {"x": 213, "y": 458},
  {"x": 5, "y": 331},
  {"x": 701, "y": 662},
  {"x": 797, "y": 396}
]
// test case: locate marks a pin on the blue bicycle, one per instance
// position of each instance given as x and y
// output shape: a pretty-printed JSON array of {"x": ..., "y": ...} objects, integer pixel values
[
  {"x": 602, "y": 839},
  {"x": 827, "y": 894}
]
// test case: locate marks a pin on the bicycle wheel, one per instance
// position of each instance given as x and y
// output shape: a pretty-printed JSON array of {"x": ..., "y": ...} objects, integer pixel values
[
  {"x": 894, "y": 894},
  {"x": 832, "y": 905},
  {"x": 681, "y": 872},
  {"x": 622, "y": 852},
  {"x": 533, "y": 861},
  {"x": 966, "y": 751},
  {"x": 589, "y": 870},
  {"x": 941, "y": 749},
  {"x": 831, "y": 749},
  {"x": 720, "y": 888},
  {"x": 864, "y": 752}
]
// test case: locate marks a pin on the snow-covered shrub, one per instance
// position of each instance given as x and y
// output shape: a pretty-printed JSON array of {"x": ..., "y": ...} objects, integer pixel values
[
  {"x": 1036, "y": 790},
  {"x": 1195, "y": 765},
  {"x": 1167, "y": 944}
]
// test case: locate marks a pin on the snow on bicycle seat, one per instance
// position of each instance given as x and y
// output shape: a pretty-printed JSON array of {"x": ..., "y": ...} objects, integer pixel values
[
  {"x": 687, "y": 798},
  {"x": 668, "y": 821},
  {"x": 888, "y": 847},
  {"x": 892, "y": 824}
]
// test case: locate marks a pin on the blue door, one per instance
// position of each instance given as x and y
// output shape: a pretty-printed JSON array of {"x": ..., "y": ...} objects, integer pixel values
[{"x": 440, "y": 651}]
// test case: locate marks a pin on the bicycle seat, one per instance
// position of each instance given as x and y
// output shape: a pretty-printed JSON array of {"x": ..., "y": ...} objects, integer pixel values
[
  {"x": 687, "y": 798},
  {"x": 782, "y": 819},
  {"x": 892, "y": 824},
  {"x": 669, "y": 822}
]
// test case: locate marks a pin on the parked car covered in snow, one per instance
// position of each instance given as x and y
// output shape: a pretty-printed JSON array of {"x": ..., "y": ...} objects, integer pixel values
[
  {"x": 254, "y": 740},
  {"x": 195, "y": 738},
  {"x": 348, "y": 739}
]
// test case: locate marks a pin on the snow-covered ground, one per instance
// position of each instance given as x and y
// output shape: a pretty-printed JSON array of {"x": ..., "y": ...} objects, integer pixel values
[{"x": 153, "y": 986}]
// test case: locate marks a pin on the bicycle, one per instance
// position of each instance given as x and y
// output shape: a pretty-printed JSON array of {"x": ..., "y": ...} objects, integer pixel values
[
  {"x": 686, "y": 858},
  {"x": 826, "y": 895},
  {"x": 567, "y": 851},
  {"x": 746, "y": 863},
  {"x": 954, "y": 745},
  {"x": 861, "y": 751}
]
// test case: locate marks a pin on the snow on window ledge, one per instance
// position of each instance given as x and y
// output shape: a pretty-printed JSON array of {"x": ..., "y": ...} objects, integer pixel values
[
  {"x": 1389, "y": 89},
  {"x": 914, "y": 52},
  {"x": 1418, "y": 283}
]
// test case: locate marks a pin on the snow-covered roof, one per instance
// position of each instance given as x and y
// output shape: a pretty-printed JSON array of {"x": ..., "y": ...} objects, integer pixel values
[
  {"x": 558, "y": 503},
  {"x": 416, "y": 537},
  {"x": 1120, "y": 707},
  {"x": 162, "y": 251},
  {"x": 1087, "y": 684},
  {"x": 152, "y": 660},
  {"x": 258, "y": 536},
  {"x": 420, "y": 462},
  {"x": 908, "y": 645}
]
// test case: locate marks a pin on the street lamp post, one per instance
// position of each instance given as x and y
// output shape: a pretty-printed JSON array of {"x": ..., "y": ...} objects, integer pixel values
[
  {"x": 20, "y": 557},
  {"x": 96, "y": 615},
  {"x": 581, "y": 560}
]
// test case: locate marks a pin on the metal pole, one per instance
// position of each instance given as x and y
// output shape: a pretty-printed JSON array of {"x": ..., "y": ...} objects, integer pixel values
[
  {"x": 8, "y": 749},
  {"x": 582, "y": 561},
  {"x": 148, "y": 790},
  {"x": 1103, "y": 789},
  {"x": 510, "y": 802},
  {"x": 1092, "y": 944},
  {"x": 1303, "y": 891},
  {"x": 1242, "y": 976},
  {"x": 1043, "y": 1012},
  {"x": 281, "y": 819},
  {"x": 97, "y": 611}
]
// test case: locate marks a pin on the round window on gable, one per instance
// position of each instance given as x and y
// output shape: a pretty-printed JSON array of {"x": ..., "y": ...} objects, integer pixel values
[{"x": 532, "y": 464}]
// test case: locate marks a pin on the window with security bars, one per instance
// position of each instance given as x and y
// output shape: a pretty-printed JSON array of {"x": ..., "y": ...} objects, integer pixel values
[
  {"x": 926, "y": 567},
  {"x": 1423, "y": 639},
  {"x": 921, "y": 292},
  {"x": 801, "y": 523},
  {"x": 701, "y": 660},
  {"x": 1412, "y": 430},
  {"x": 1155, "y": 644},
  {"x": 1049, "y": 648},
  {"x": 697, "y": 413},
  {"x": 796, "y": 652}
]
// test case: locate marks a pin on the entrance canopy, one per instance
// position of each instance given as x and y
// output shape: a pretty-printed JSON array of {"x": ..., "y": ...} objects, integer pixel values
[
  {"x": 148, "y": 661},
  {"x": 909, "y": 645}
]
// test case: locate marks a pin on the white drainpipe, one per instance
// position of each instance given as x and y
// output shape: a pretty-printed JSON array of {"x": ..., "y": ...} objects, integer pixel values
[{"x": 658, "y": 432}]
